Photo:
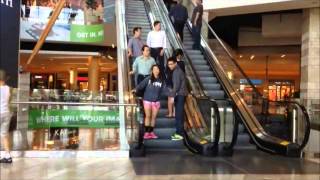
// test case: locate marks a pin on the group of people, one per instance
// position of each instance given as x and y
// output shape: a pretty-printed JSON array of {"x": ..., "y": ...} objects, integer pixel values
[{"x": 153, "y": 79}]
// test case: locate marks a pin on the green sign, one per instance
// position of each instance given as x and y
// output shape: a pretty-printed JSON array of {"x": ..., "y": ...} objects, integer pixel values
[
  {"x": 87, "y": 33},
  {"x": 72, "y": 118}
]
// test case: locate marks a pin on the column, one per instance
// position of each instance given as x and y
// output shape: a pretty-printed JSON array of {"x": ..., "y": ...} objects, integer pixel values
[
  {"x": 73, "y": 79},
  {"x": 310, "y": 71},
  {"x": 86, "y": 135},
  {"x": 310, "y": 58}
]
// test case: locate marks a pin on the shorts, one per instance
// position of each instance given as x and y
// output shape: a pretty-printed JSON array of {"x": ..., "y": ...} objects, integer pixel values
[
  {"x": 5, "y": 124},
  {"x": 151, "y": 105}
]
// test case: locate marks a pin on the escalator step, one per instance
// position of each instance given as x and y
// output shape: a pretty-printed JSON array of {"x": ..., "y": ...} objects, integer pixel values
[
  {"x": 164, "y": 133},
  {"x": 165, "y": 123},
  {"x": 208, "y": 80},
  {"x": 163, "y": 144},
  {"x": 199, "y": 62},
  {"x": 202, "y": 68},
  {"x": 212, "y": 86},
  {"x": 205, "y": 73},
  {"x": 217, "y": 94}
]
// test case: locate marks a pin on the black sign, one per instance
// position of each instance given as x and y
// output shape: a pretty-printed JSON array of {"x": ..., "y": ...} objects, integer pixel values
[{"x": 9, "y": 39}]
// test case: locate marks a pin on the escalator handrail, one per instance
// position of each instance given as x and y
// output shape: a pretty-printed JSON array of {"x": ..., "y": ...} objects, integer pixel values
[
  {"x": 179, "y": 44},
  {"x": 307, "y": 120},
  {"x": 236, "y": 95},
  {"x": 229, "y": 53}
]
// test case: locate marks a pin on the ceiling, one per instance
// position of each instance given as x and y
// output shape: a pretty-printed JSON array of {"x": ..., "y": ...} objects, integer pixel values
[
  {"x": 53, "y": 62},
  {"x": 234, "y": 7}
]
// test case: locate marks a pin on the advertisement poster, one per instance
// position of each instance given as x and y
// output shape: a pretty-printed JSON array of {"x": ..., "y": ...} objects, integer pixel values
[
  {"x": 79, "y": 21},
  {"x": 50, "y": 118}
]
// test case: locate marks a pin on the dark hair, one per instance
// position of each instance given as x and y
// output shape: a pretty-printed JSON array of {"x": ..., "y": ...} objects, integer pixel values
[
  {"x": 152, "y": 77},
  {"x": 144, "y": 46},
  {"x": 172, "y": 59},
  {"x": 135, "y": 29},
  {"x": 156, "y": 23},
  {"x": 178, "y": 52}
]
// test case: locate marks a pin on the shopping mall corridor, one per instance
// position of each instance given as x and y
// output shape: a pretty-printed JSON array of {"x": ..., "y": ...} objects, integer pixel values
[{"x": 258, "y": 165}]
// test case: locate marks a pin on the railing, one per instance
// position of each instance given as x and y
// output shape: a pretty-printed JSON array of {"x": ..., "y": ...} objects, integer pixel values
[
  {"x": 252, "y": 107},
  {"x": 65, "y": 123}
]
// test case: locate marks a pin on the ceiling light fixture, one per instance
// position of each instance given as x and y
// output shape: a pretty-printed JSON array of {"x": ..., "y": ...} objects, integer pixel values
[
  {"x": 252, "y": 57},
  {"x": 240, "y": 56},
  {"x": 283, "y": 56}
]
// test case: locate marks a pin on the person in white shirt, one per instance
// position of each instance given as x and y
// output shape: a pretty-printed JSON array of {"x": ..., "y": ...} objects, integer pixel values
[
  {"x": 157, "y": 41},
  {"x": 5, "y": 117}
]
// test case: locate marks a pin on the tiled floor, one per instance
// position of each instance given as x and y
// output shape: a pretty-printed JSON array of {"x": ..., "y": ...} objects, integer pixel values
[{"x": 244, "y": 165}]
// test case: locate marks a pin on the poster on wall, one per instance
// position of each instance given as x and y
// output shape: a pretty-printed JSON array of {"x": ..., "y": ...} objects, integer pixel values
[
  {"x": 79, "y": 21},
  {"x": 9, "y": 39}
]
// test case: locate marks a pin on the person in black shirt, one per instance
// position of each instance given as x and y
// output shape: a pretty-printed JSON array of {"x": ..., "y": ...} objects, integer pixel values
[
  {"x": 196, "y": 21},
  {"x": 179, "y": 16}
]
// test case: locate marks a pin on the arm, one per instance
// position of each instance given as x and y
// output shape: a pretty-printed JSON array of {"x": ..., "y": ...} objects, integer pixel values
[
  {"x": 176, "y": 83},
  {"x": 130, "y": 48},
  {"x": 149, "y": 39},
  {"x": 134, "y": 67},
  {"x": 143, "y": 84},
  {"x": 196, "y": 19}
]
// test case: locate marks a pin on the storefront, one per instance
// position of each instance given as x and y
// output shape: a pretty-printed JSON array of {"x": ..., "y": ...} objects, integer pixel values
[{"x": 280, "y": 90}]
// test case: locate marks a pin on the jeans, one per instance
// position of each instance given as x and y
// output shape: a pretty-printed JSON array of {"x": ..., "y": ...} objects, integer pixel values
[
  {"x": 155, "y": 53},
  {"x": 179, "y": 106},
  {"x": 179, "y": 26},
  {"x": 196, "y": 35}
]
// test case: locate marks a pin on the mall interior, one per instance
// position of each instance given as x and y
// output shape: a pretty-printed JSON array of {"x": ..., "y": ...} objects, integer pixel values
[{"x": 252, "y": 109}]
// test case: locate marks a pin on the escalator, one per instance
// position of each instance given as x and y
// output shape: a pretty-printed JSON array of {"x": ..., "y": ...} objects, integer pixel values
[
  {"x": 275, "y": 127},
  {"x": 202, "y": 125}
]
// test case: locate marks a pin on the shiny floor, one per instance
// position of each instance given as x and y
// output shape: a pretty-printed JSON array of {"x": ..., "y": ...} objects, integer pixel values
[{"x": 244, "y": 165}]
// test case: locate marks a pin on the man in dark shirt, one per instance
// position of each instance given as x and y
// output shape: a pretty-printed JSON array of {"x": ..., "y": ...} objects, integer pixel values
[
  {"x": 179, "y": 16},
  {"x": 196, "y": 21},
  {"x": 179, "y": 90}
]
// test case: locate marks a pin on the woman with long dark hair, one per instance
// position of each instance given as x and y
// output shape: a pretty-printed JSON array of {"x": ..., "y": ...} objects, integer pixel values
[{"x": 153, "y": 86}]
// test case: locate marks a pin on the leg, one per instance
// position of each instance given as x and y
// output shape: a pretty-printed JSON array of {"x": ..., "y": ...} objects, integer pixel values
[
  {"x": 154, "y": 53},
  {"x": 147, "y": 119},
  {"x": 5, "y": 123},
  {"x": 155, "y": 110},
  {"x": 170, "y": 106},
  {"x": 179, "y": 105},
  {"x": 198, "y": 37},
  {"x": 180, "y": 29}
]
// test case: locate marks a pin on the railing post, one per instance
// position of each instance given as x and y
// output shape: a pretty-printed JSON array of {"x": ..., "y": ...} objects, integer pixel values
[{"x": 213, "y": 122}]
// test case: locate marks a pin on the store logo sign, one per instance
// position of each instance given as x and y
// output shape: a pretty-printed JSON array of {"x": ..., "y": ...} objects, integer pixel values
[{"x": 7, "y": 3}]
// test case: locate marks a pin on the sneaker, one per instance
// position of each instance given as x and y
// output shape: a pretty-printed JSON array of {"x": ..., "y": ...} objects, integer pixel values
[
  {"x": 146, "y": 136},
  {"x": 153, "y": 136},
  {"x": 176, "y": 137},
  {"x": 6, "y": 160}
]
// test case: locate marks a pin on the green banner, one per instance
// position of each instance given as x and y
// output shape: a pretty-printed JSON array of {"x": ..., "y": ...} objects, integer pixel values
[
  {"x": 87, "y": 33},
  {"x": 72, "y": 118}
]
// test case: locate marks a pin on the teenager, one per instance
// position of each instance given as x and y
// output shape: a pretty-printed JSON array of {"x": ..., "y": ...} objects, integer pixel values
[{"x": 153, "y": 86}]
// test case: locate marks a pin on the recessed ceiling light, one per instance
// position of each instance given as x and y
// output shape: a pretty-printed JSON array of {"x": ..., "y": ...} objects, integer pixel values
[
  {"x": 240, "y": 56},
  {"x": 283, "y": 56},
  {"x": 252, "y": 57},
  {"x": 113, "y": 45}
]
